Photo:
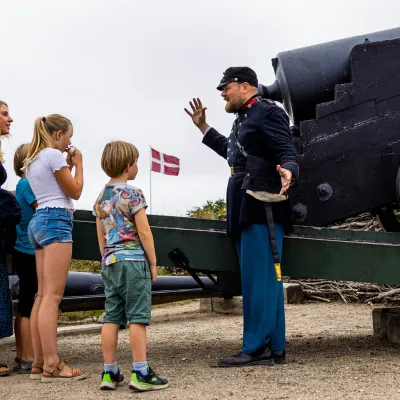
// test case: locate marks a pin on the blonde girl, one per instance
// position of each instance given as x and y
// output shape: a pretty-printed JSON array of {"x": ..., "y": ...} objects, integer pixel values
[{"x": 50, "y": 233}]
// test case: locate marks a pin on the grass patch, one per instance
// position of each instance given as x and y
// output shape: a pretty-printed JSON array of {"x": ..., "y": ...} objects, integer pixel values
[
  {"x": 78, "y": 316},
  {"x": 95, "y": 266},
  {"x": 85, "y": 266}
]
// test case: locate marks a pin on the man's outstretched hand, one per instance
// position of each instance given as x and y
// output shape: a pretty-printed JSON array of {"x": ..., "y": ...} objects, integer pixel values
[
  {"x": 286, "y": 178},
  {"x": 198, "y": 115}
]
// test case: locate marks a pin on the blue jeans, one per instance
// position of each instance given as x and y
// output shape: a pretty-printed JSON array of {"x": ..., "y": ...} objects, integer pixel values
[{"x": 50, "y": 225}]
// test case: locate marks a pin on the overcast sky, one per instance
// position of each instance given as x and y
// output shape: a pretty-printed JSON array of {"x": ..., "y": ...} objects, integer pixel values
[{"x": 125, "y": 69}]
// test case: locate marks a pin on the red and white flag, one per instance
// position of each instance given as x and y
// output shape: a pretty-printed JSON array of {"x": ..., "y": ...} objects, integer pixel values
[{"x": 164, "y": 164}]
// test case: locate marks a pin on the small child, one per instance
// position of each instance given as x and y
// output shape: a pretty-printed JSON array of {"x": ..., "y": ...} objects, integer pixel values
[
  {"x": 128, "y": 266},
  {"x": 23, "y": 259}
]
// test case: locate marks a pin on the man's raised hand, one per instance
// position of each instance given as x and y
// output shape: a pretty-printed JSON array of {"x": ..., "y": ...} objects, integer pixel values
[{"x": 198, "y": 115}]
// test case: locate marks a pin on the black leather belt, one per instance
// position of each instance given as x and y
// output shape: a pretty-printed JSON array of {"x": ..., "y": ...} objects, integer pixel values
[{"x": 237, "y": 170}]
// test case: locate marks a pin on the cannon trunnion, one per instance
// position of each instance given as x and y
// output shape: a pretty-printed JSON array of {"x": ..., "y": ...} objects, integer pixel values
[{"x": 349, "y": 152}]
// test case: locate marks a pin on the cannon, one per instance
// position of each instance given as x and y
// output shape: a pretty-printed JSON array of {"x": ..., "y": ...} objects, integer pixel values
[
  {"x": 343, "y": 98},
  {"x": 85, "y": 291}
]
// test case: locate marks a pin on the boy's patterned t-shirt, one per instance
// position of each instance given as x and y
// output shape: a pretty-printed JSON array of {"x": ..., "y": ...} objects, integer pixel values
[{"x": 115, "y": 207}]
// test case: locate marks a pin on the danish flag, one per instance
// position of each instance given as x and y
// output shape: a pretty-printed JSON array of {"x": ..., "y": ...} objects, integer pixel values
[{"x": 164, "y": 164}]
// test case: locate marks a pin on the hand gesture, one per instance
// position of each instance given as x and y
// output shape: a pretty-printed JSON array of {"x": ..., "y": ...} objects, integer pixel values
[
  {"x": 286, "y": 178},
  {"x": 199, "y": 113}
]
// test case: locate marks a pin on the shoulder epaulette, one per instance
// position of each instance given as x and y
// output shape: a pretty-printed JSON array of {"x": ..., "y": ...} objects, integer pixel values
[{"x": 268, "y": 101}]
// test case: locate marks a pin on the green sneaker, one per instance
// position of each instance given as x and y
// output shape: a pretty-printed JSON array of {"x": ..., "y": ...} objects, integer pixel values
[
  {"x": 147, "y": 382},
  {"x": 109, "y": 381}
]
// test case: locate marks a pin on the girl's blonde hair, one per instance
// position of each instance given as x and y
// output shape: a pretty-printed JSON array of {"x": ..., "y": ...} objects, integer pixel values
[
  {"x": 43, "y": 130},
  {"x": 2, "y": 103},
  {"x": 19, "y": 158}
]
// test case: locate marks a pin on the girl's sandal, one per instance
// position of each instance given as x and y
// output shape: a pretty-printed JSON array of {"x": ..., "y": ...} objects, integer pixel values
[
  {"x": 22, "y": 366},
  {"x": 4, "y": 370},
  {"x": 55, "y": 376},
  {"x": 17, "y": 365},
  {"x": 36, "y": 375}
]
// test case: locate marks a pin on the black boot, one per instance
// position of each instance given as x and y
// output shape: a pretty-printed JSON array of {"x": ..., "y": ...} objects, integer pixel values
[
  {"x": 243, "y": 359},
  {"x": 279, "y": 356}
]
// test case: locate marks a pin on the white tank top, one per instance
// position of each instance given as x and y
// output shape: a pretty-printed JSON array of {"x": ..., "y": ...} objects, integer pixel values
[{"x": 40, "y": 174}]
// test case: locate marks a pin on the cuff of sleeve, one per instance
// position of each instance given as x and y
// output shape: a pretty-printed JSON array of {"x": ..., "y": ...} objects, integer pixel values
[
  {"x": 137, "y": 208},
  {"x": 294, "y": 169},
  {"x": 29, "y": 197},
  {"x": 59, "y": 167},
  {"x": 209, "y": 136}
]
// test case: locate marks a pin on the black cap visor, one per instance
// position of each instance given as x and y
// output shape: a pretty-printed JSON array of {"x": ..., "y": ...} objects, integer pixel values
[{"x": 222, "y": 84}]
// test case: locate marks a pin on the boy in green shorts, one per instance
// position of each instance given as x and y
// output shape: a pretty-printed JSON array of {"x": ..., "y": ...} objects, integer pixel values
[{"x": 128, "y": 266}]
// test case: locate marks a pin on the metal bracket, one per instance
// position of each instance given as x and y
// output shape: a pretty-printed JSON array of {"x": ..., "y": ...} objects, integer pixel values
[{"x": 179, "y": 259}]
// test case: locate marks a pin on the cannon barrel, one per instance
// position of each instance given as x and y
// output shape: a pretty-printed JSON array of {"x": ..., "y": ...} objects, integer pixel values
[
  {"x": 345, "y": 100},
  {"x": 307, "y": 76},
  {"x": 91, "y": 284}
]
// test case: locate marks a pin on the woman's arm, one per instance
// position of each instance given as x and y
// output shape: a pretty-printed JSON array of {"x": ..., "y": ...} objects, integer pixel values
[{"x": 72, "y": 185}]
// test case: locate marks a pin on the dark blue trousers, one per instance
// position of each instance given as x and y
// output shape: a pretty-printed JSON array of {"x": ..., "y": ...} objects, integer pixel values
[{"x": 263, "y": 309}]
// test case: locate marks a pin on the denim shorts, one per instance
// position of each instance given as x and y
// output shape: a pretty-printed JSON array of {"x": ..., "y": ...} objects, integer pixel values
[{"x": 50, "y": 225}]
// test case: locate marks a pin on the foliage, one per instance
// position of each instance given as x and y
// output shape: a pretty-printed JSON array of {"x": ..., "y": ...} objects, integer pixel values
[
  {"x": 95, "y": 266},
  {"x": 211, "y": 210},
  {"x": 79, "y": 316},
  {"x": 85, "y": 266}
]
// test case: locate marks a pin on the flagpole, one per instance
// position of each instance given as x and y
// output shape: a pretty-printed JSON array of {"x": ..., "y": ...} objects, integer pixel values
[{"x": 151, "y": 163}]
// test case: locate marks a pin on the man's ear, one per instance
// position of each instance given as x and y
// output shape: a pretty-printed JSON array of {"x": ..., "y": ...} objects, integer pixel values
[{"x": 246, "y": 87}]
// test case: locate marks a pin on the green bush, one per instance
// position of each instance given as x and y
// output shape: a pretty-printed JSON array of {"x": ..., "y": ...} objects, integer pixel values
[
  {"x": 85, "y": 266},
  {"x": 95, "y": 266}
]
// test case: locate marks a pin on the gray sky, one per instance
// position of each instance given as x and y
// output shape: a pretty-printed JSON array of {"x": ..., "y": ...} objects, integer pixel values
[{"x": 125, "y": 69}]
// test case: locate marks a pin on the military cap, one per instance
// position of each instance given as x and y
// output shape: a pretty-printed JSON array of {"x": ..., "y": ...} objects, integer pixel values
[{"x": 238, "y": 74}]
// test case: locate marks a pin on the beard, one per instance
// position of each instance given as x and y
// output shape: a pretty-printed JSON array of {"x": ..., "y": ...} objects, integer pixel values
[{"x": 232, "y": 107}]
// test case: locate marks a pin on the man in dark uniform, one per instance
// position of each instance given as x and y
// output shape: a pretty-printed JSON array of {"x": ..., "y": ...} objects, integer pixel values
[{"x": 263, "y": 165}]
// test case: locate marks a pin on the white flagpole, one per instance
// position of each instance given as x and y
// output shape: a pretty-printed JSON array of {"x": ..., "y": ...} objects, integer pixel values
[{"x": 151, "y": 164}]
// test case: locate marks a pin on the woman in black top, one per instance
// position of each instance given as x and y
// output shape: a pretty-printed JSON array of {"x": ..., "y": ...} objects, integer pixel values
[{"x": 9, "y": 216}]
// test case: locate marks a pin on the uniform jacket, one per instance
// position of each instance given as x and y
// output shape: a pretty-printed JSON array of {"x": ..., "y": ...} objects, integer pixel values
[{"x": 262, "y": 129}]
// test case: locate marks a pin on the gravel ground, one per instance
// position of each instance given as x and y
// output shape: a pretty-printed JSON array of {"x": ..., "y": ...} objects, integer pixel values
[{"x": 331, "y": 352}]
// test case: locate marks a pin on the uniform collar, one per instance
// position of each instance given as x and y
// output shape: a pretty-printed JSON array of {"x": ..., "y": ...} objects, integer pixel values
[{"x": 249, "y": 103}]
